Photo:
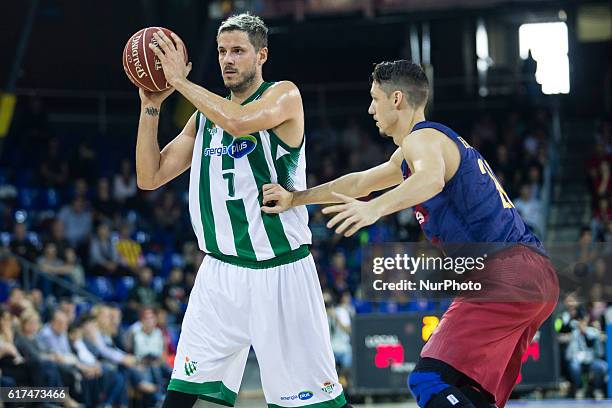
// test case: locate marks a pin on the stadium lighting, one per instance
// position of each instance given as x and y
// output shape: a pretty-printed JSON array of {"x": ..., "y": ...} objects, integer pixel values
[{"x": 549, "y": 46}]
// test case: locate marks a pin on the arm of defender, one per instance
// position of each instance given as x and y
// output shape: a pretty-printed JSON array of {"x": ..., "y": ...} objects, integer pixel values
[
  {"x": 155, "y": 168},
  {"x": 357, "y": 184},
  {"x": 423, "y": 150}
]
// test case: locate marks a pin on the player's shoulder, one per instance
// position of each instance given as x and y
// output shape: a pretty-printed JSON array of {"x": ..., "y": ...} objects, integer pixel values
[
  {"x": 283, "y": 87},
  {"x": 422, "y": 135}
]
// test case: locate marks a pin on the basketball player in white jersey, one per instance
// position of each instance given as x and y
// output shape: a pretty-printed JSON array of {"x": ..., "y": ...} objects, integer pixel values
[{"x": 258, "y": 285}]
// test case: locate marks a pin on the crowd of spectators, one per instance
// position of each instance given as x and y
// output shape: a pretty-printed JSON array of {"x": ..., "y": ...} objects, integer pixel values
[
  {"x": 585, "y": 313},
  {"x": 81, "y": 220}
]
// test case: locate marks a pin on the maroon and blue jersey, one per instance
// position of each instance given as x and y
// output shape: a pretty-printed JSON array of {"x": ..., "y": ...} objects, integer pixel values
[{"x": 473, "y": 206}]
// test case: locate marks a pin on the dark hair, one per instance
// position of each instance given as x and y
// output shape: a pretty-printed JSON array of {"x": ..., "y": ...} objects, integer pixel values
[
  {"x": 404, "y": 76},
  {"x": 252, "y": 25}
]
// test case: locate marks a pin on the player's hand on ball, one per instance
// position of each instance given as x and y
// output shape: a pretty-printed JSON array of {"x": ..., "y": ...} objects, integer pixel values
[
  {"x": 276, "y": 199},
  {"x": 353, "y": 214},
  {"x": 171, "y": 56}
]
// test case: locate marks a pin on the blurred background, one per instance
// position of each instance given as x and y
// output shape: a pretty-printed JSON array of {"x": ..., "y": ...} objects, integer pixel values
[{"x": 95, "y": 274}]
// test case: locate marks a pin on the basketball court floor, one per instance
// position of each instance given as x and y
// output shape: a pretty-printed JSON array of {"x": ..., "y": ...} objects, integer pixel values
[{"x": 260, "y": 403}]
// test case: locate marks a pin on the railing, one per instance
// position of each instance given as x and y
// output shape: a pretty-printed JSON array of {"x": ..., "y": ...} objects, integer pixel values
[
  {"x": 31, "y": 273},
  {"x": 102, "y": 108},
  {"x": 552, "y": 164}
]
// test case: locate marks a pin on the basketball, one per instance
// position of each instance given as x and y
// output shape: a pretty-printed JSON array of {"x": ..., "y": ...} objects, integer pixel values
[{"x": 141, "y": 65}]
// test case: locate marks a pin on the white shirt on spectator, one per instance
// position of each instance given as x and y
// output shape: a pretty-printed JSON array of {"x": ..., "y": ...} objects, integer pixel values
[
  {"x": 531, "y": 211},
  {"x": 151, "y": 344},
  {"x": 123, "y": 189}
]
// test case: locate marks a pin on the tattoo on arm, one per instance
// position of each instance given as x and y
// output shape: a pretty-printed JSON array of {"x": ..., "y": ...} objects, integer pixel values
[{"x": 152, "y": 111}]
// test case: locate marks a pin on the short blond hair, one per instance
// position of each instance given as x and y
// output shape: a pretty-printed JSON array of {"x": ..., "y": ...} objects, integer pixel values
[{"x": 254, "y": 26}]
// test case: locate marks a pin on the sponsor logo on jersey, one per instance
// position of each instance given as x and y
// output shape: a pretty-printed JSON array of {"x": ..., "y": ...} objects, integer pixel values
[
  {"x": 190, "y": 366},
  {"x": 240, "y": 147},
  {"x": 305, "y": 395},
  {"x": 328, "y": 387},
  {"x": 302, "y": 395},
  {"x": 421, "y": 214}
]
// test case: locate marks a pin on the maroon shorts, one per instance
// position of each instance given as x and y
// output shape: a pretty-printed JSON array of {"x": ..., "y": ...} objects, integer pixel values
[{"x": 485, "y": 339}]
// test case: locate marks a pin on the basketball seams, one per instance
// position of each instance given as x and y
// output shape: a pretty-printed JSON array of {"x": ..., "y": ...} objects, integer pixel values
[
  {"x": 132, "y": 69},
  {"x": 128, "y": 67},
  {"x": 144, "y": 51}
]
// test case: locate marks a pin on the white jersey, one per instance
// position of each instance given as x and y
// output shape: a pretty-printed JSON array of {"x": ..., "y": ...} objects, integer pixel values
[{"x": 225, "y": 195}]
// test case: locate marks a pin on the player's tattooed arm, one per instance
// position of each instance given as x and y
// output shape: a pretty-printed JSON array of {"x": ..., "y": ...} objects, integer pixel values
[
  {"x": 151, "y": 111},
  {"x": 155, "y": 168},
  {"x": 281, "y": 103}
]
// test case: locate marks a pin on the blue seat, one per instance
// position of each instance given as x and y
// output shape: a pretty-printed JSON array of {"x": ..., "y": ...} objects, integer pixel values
[
  {"x": 101, "y": 287},
  {"x": 5, "y": 288},
  {"x": 362, "y": 306},
  {"x": 122, "y": 287}
]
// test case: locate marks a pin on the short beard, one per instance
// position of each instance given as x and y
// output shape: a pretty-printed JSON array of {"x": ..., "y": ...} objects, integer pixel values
[{"x": 243, "y": 85}]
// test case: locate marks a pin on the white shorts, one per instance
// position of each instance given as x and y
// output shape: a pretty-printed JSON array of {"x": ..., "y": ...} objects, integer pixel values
[{"x": 280, "y": 312}]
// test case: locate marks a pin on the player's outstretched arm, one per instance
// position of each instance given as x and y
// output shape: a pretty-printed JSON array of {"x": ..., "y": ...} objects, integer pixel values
[
  {"x": 281, "y": 103},
  {"x": 355, "y": 185},
  {"x": 155, "y": 168},
  {"x": 423, "y": 150}
]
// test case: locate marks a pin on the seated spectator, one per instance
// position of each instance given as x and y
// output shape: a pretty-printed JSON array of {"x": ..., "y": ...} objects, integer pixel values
[
  {"x": 147, "y": 342},
  {"x": 18, "y": 301},
  {"x": 124, "y": 183},
  {"x": 12, "y": 362},
  {"x": 141, "y": 295},
  {"x": 593, "y": 165},
  {"x": 83, "y": 162},
  {"x": 100, "y": 341},
  {"x": 77, "y": 273},
  {"x": 342, "y": 316},
  {"x": 534, "y": 179},
  {"x": 114, "y": 385},
  {"x": 584, "y": 354},
  {"x": 51, "y": 264},
  {"x": 53, "y": 339},
  {"x": 105, "y": 208},
  {"x": 77, "y": 220},
  {"x": 115, "y": 330},
  {"x": 20, "y": 245},
  {"x": 53, "y": 169},
  {"x": 46, "y": 371},
  {"x": 129, "y": 250},
  {"x": 169, "y": 344},
  {"x": 530, "y": 209},
  {"x": 174, "y": 295},
  {"x": 103, "y": 255},
  {"x": 601, "y": 217},
  {"x": 167, "y": 211},
  {"x": 602, "y": 183},
  {"x": 81, "y": 189},
  {"x": 57, "y": 237}
]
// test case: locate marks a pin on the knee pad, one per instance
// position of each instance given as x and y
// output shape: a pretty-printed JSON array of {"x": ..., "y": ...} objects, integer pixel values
[
  {"x": 436, "y": 384},
  {"x": 424, "y": 384},
  {"x": 430, "y": 391}
]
